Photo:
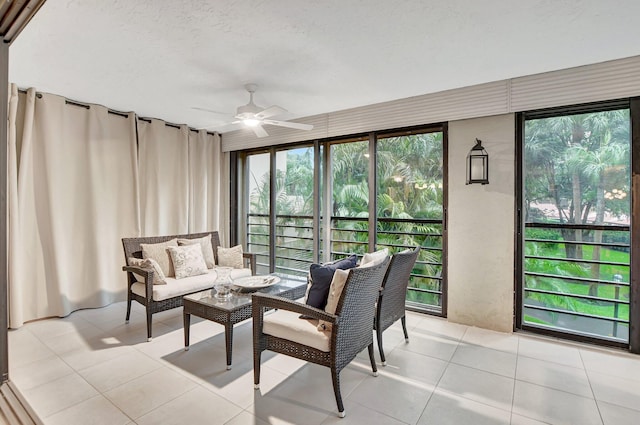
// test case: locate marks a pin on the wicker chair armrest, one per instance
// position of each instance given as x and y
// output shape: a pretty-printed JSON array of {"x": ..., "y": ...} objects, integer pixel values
[
  {"x": 252, "y": 261},
  {"x": 265, "y": 301},
  {"x": 146, "y": 273}
]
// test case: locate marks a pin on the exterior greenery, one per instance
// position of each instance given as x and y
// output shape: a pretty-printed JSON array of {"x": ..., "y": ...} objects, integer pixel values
[
  {"x": 408, "y": 207},
  {"x": 577, "y": 174}
]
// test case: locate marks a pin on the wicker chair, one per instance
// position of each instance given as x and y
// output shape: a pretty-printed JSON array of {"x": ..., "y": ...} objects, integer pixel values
[
  {"x": 133, "y": 249},
  {"x": 352, "y": 326},
  {"x": 391, "y": 301}
]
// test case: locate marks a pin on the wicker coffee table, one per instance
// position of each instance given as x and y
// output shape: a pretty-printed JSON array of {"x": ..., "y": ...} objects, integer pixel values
[{"x": 235, "y": 309}]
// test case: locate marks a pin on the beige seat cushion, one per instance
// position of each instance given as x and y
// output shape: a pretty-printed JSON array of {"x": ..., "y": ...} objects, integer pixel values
[
  {"x": 176, "y": 287},
  {"x": 288, "y": 325}
]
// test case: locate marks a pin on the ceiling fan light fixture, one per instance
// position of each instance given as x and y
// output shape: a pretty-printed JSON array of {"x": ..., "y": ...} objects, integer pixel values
[{"x": 251, "y": 122}]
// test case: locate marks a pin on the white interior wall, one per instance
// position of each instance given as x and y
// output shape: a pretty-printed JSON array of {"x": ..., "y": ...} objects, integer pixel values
[{"x": 481, "y": 226}]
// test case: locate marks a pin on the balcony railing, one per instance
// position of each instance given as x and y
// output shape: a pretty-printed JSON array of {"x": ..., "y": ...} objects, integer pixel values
[
  {"x": 576, "y": 279},
  {"x": 294, "y": 247}
]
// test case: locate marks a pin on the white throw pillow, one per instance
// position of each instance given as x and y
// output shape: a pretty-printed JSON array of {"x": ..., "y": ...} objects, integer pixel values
[
  {"x": 150, "y": 263},
  {"x": 207, "y": 249},
  {"x": 188, "y": 260},
  {"x": 230, "y": 257},
  {"x": 374, "y": 258},
  {"x": 158, "y": 251},
  {"x": 335, "y": 290}
]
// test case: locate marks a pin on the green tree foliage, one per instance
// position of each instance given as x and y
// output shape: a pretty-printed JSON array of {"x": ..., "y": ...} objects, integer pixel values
[
  {"x": 579, "y": 164},
  {"x": 409, "y": 187}
]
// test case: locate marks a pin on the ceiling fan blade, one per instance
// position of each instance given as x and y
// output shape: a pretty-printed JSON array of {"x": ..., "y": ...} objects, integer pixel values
[
  {"x": 270, "y": 112},
  {"x": 289, "y": 124},
  {"x": 209, "y": 110},
  {"x": 259, "y": 131}
]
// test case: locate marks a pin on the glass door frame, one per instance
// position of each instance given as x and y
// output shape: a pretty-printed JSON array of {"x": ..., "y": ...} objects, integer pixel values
[
  {"x": 633, "y": 105},
  {"x": 323, "y": 198}
]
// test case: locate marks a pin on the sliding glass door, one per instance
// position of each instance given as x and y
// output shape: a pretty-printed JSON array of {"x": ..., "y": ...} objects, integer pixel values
[
  {"x": 294, "y": 201},
  {"x": 576, "y": 210},
  {"x": 379, "y": 190},
  {"x": 257, "y": 204},
  {"x": 410, "y": 207},
  {"x": 349, "y": 211}
]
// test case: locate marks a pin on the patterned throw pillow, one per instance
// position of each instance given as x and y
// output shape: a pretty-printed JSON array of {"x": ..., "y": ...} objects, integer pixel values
[
  {"x": 149, "y": 263},
  {"x": 158, "y": 251},
  {"x": 230, "y": 257},
  {"x": 207, "y": 249},
  {"x": 187, "y": 260}
]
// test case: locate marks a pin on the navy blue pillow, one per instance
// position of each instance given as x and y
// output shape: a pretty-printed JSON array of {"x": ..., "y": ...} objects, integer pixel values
[{"x": 321, "y": 276}]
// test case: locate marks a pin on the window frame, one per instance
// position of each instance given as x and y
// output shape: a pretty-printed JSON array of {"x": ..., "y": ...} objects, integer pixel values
[
  {"x": 633, "y": 104},
  {"x": 322, "y": 178}
]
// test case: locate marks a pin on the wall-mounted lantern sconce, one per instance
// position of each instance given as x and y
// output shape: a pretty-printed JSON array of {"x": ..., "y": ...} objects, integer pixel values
[{"x": 478, "y": 164}]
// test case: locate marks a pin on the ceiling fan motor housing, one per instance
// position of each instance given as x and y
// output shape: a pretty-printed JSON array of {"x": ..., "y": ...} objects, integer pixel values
[{"x": 247, "y": 111}]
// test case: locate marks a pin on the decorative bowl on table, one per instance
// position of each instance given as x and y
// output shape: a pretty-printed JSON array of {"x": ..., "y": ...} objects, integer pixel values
[{"x": 253, "y": 283}]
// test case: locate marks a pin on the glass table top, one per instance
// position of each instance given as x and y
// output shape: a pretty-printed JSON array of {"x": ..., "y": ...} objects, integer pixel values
[{"x": 240, "y": 298}]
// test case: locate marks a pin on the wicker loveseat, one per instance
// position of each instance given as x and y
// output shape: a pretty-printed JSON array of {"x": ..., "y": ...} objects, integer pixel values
[{"x": 157, "y": 298}]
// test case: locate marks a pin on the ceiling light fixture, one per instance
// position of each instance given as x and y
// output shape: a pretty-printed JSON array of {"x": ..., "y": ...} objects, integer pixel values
[{"x": 251, "y": 122}]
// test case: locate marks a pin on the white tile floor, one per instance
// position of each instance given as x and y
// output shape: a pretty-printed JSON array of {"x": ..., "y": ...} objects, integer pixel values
[{"x": 91, "y": 368}]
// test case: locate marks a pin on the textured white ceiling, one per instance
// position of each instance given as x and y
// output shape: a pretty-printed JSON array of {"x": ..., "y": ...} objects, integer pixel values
[{"x": 160, "y": 58}]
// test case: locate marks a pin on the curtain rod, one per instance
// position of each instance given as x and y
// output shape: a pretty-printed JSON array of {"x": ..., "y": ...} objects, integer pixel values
[
  {"x": 114, "y": 112},
  {"x": 38, "y": 94},
  {"x": 178, "y": 126},
  {"x": 81, "y": 105},
  {"x": 168, "y": 124}
]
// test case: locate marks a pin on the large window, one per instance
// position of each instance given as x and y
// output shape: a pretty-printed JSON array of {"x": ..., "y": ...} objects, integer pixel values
[
  {"x": 294, "y": 244},
  {"x": 349, "y": 215},
  {"x": 380, "y": 190},
  {"x": 409, "y": 189},
  {"x": 257, "y": 191},
  {"x": 576, "y": 233}
]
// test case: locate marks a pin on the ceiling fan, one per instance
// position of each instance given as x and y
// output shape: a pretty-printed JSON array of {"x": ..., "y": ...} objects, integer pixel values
[{"x": 254, "y": 117}]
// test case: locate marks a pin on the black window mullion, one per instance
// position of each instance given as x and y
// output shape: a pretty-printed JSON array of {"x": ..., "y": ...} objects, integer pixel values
[
  {"x": 373, "y": 195},
  {"x": 272, "y": 210},
  {"x": 634, "y": 308}
]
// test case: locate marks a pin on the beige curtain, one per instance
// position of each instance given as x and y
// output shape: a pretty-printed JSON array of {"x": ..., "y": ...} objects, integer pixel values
[
  {"x": 164, "y": 178},
  {"x": 80, "y": 180},
  {"x": 225, "y": 198},
  {"x": 73, "y": 196},
  {"x": 204, "y": 181},
  {"x": 13, "y": 236}
]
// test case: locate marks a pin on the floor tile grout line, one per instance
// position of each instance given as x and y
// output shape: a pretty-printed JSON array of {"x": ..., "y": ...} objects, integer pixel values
[
  {"x": 551, "y": 361},
  {"x": 99, "y": 393},
  {"x": 593, "y": 393},
  {"x": 148, "y": 373},
  {"x": 443, "y": 390},
  {"x": 436, "y": 385},
  {"x": 515, "y": 375},
  {"x": 77, "y": 372}
]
